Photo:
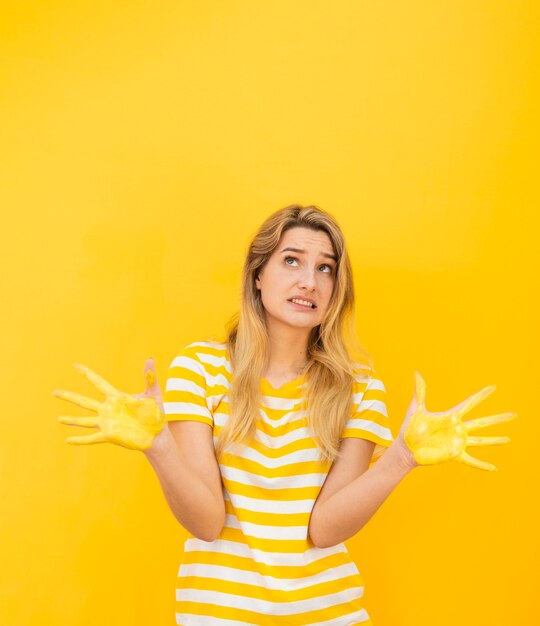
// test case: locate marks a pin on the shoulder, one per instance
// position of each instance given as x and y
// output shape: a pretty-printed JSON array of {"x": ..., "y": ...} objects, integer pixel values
[
  {"x": 206, "y": 354},
  {"x": 366, "y": 379},
  {"x": 205, "y": 347}
]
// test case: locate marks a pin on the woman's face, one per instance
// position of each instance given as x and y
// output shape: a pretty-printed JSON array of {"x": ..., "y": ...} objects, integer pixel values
[{"x": 303, "y": 266}]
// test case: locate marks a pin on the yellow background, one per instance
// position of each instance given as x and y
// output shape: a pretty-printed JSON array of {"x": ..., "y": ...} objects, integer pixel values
[{"x": 141, "y": 146}]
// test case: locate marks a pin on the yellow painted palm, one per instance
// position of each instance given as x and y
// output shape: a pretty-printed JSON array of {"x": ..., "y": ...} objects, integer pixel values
[
  {"x": 128, "y": 420},
  {"x": 435, "y": 437}
]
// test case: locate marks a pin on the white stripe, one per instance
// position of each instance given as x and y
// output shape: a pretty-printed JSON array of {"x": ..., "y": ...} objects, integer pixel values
[
  {"x": 372, "y": 427},
  {"x": 215, "y": 360},
  {"x": 191, "y": 364},
  {"x": 277, "y": 482},
  {"x": 345, "y": 620},
  {"x": 263, "y": 531},
  {"x": 190, "y": 619},
  {"x": 183, "y": 384},
  {"x": 280, "y": 404},
  {"x": 372, "y": 405},
  {"x": 221, "y": 418},
  {"x": 185, "y": 408},
  {"x": 188, "y": 363},
  {"x": 274, "y": 559},
  {"x": 230, "y": 574},
  {"x": 297, "y": 435},
  {"x": 288, "y": 418},
  {"x": 265, "y": 607},
  {"x": 375, "y": 383},
  {"x": 259, "y": 505},
  {"x": 216, "y": 380},
  {"x": 298, "y": 456}
]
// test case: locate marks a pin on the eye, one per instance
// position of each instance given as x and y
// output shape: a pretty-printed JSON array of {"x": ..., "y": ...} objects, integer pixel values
[{"x": 328, "y": 271}]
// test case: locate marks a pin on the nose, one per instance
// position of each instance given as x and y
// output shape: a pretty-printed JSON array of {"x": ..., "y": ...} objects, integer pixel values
[{"x": 307, "y": 280}]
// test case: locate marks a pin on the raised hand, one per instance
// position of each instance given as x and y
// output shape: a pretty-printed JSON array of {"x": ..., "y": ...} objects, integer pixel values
[
  {"x": 131, "y": 421},
  {"x": 435, "y": 437}
]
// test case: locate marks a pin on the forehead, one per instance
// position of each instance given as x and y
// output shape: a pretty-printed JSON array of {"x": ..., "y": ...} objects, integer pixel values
[{"x": 306, "y": 239}]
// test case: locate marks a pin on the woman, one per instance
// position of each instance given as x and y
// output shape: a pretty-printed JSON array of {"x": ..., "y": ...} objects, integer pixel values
[{"x": 271, "y": 454}]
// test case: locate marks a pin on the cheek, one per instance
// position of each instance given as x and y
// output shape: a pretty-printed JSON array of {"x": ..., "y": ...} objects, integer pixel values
[
  {"x": 329, "y": 287},
  {"x": 329, "y": 292}
]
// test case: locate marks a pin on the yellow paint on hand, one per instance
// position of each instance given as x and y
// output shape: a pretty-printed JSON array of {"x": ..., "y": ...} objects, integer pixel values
[
  {"x": 443, "y": 436},
  {"x": 123, "y": 419}
]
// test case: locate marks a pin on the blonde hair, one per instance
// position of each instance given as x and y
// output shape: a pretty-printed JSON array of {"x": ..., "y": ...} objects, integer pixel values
[{"x": 331, "y": 348}]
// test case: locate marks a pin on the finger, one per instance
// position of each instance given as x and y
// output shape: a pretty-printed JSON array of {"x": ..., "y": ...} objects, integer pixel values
[
  {"x": 78, "y": 421},
  {"x": 95, "y": 438},
  {"x": 76, "y": 398},
  {"x": 150, "y": 373},
  {"x": 97, "y": 380},
  {"x": 486, "y": 441},
  {"x": 469, "y": 460},
  {"x": 150, "y": 380},
  {"x": 481, "y": 422},
  {"x": 420, "y": 390},
  {"x": 152, "y": 386},
  {"x": 472, "y": 401}
]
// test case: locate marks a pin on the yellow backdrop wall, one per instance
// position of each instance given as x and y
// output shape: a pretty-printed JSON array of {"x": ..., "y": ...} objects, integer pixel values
[{"x": 141, "y": 146}]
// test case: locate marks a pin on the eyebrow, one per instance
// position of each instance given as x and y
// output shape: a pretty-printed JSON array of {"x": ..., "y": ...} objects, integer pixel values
[{"x": 330, "y": 256}]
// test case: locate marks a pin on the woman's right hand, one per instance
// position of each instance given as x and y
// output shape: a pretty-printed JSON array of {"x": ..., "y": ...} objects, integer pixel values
[{"x": 129, "y": 420}]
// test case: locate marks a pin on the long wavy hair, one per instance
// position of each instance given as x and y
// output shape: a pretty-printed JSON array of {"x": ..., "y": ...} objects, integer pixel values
[{"x": 335, "y": 355}]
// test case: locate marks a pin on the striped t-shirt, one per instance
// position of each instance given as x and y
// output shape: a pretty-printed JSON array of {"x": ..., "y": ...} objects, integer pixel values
[{"x": 263, "y": 569}]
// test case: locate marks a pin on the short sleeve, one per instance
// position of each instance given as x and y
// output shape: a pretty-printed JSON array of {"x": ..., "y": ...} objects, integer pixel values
[
  {"x": 369, "y": 419},
  {"x": 185, "y": 390}
]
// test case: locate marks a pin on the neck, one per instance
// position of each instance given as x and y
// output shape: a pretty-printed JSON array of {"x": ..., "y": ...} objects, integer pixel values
[{"x": 287, "y": 351}]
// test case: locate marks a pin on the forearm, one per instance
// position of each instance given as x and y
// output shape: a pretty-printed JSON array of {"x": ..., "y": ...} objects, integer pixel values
[
  {"x": 348, "y": 510},
  {"x": 190, "y": 500}
]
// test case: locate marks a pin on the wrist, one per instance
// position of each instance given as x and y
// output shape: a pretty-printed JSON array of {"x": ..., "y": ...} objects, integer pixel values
[
  {"x": 162, "y": 443},
  {"x": 404, "y": 455}
]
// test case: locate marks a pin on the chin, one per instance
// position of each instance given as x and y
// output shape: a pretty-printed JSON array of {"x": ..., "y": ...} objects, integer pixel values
[{"x": 297, "y": 324}]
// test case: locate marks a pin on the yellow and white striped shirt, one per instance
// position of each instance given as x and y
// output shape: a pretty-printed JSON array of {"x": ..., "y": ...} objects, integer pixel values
[{"x": 263, "y": 569}]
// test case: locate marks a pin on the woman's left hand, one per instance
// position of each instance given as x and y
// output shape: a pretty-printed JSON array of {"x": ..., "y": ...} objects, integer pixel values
[{"x": 427, "y": 437}]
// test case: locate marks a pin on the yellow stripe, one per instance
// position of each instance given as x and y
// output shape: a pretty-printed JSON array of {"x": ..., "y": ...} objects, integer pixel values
[
  {"x": 277, "y": 571},
  {"x": 266, "y": 545},
  {"x": 180, "y": 395},
  {"x": 372, "y": 394},
  {"x": 294, "y": 469},
  {"x": 178, "y": 417},
  {"x": 365, "y": 434},
  {"x": 284, "y": 429},
  {"x": 178, "y": 371},
  {"x": 268, "y": 519},
  {"x": 223, "y": 585},
  {"x": 275, "y": 453},
  {"x": 292, "y": 493},
  {"x": 261, "y": 619}
]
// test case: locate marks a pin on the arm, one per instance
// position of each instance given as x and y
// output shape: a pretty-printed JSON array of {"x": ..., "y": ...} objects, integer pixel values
[
  {"x": 187, "y": 470},
  {"x": 181, "y": 454},
  {"x": 425, "y": 438},
  {"x": 344, "y": 513}
]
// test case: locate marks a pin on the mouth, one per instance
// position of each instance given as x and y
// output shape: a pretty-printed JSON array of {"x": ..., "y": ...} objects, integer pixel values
[{"x": 303, "y": 306}]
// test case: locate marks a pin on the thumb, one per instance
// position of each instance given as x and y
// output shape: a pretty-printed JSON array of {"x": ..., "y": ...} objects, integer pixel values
[{"x": 152, "y": 389}]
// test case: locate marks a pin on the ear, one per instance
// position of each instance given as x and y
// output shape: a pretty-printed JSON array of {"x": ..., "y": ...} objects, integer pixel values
[{"x": 258, "y": 281}]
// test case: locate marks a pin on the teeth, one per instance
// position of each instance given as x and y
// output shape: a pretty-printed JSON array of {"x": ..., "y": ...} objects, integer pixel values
[{"x": 304, "y": 302}]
